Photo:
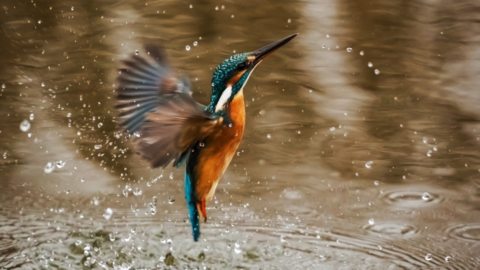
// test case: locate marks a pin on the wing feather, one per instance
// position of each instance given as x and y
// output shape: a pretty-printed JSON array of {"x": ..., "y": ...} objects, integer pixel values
[
  {"x": 156, "y": 107},
  {"x": 172, "y": 128}
]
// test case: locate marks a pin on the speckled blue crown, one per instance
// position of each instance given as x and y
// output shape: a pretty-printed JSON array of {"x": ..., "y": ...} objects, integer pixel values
[{"x": 222, "y": 73}]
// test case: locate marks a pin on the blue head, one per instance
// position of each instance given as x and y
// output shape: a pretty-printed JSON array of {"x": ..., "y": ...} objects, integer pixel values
[{"x": 230, "y": 77}]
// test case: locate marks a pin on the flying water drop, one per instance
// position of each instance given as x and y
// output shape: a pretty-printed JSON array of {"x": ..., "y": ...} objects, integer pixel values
[
  {"x": 137, "y": 192},
  {"x": 187, "y": 48},
  {"x": 349, "y": 49},
  {"x": 111, "y": 236},
  {"x": 60, "y": 164},
  {"x": 369, "y": 164},
  {"x": 25, "y": 125},
  {"x": 237, "y": 248},
  {"x": 108, "y": 213},
  {"x": 49, "y": 167}
]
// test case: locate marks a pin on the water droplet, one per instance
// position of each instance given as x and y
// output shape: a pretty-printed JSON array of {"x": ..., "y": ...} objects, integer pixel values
[
  {"x": 25, "y": 125},
  {"x": 73, "y": 8},
  {"x": 428, "y": 257},
  {"x": 328, "y": 36},
  {"x": 349, "y": 49},
  {"x": 376, "y": 183},
  {"x": 111, "y": 236},
  {"x": 289, "y": 20},
  {"x": 448, "y": 259},
  {"x": 78, "y": 243},
  {"x": 362, "y": 53},
  {"x": 195, "y": 43},
  {"x": 108, "y": 213},
  {"x": 429, "y": 153},
  {"x": 171, "y": 200},
  {"x": 371, "y": 221},
  {"x": 49, "y": 167},
  {"x": 332, "y": 129},
  {"x": 323, "y": 46},
  {"x": 137, "y": 192},
  {"x": 370, "y": 64},
  {"x": 237, "y": 248},
  {"x": 201, "y": 144},
  {"x": 269, "y": 136},
  {"x": 39, "y": 21},
  {"x": 100, "y": 125},
  {"x": 98, "y": 146},
  {"x": 42, "y": 84},
  {"x": 171, "y": 176},
  {"x": 187, "y": 48},
  {"x": 136, "y": 52},
  {"x": 377, "y": 71},
  {"x": 32, "y": 117},
  {"x": 3, "y": 86},
  {"x": 60, "y": 164},
  {"x": 191, "y": 6},
  {"x": 283, "y": 239},
  {"x": 369, "y": 164},
  {"x": 216, "y": 8},
  {"x": 426, "y": 196}
]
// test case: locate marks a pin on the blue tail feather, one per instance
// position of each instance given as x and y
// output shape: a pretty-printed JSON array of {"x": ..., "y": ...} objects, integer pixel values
[{"x": 192, "y": 207}]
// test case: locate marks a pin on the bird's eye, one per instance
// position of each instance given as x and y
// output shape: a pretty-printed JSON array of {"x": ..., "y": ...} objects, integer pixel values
[{"x": 241, "y": 66}]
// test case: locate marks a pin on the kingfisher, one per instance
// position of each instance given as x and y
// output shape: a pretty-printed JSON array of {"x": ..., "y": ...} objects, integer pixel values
[{"x": 155, "y": 106}]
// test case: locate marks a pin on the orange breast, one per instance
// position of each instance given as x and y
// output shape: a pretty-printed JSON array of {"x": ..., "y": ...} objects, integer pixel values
[{"x": 219, "y": 150}]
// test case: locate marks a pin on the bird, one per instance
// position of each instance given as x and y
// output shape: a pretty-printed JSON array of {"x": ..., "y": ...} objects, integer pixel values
[{"x": 156, "y": 108}]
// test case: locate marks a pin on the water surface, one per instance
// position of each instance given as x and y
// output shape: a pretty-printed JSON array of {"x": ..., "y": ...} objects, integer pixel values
[{"x": 361, "y": 148}]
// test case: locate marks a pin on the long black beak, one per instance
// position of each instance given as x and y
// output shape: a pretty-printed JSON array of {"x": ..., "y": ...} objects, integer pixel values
[{"x": 265, "y": 51}]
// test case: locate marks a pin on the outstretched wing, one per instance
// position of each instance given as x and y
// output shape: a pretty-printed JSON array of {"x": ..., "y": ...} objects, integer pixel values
[{"x": 157, "y": 109}]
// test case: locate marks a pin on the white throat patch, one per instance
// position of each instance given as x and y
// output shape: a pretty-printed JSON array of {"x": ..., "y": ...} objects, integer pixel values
[
  {"x": 223, "y": 99},
  {"x": 228, "y": 92}
]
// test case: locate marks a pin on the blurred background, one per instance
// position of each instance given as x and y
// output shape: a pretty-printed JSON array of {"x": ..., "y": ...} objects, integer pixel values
[{"x": 361, "y": 148}]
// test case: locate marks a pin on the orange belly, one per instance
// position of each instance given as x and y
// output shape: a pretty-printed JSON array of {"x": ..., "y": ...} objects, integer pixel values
[{"x": 219, "y": 150}]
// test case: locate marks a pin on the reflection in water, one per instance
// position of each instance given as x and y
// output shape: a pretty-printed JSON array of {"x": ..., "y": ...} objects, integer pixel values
[{"x": 340, "y": 167}]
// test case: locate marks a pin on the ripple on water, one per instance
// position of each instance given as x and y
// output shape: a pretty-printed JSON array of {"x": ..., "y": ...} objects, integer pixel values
[
  {"x": 393, "y": 229},
  {"x": 411, "y": 198},
  {"x": 310, "y": 248},
  {"x": 465, "y": 231}
]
